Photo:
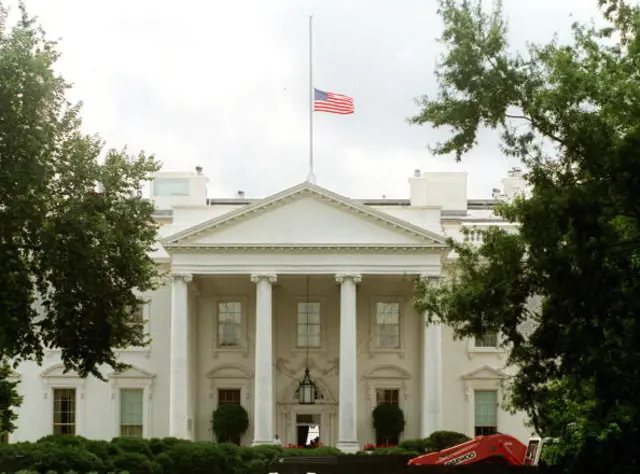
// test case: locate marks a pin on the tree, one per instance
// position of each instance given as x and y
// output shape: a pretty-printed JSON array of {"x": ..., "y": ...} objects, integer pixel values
[
  {"x": 571, "y": 113},
  {"x": 75, "y": 231}
]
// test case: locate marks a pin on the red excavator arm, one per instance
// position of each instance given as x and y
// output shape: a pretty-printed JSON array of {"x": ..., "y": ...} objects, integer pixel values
[{"x": 498, "y": 448}]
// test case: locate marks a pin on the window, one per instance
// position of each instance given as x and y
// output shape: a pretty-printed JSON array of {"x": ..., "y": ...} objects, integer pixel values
[
  {"x": 229, "y": 324},
  {"x": 131, "y": 400},
  {"x": 4, "y": 438},
  {"x": 388, "y": 325},
  {"x": 486, "y": 412},
  {"x": 308, "y": 324},
  {"x": 171, "y": 187},
  {"x": 137, "y": 317},
  {"x": 228, "y": 396},
  {"x": 64, "y": 411},
  {"x": 488, "y": 339},
  {"x": 386, "y": 395}
]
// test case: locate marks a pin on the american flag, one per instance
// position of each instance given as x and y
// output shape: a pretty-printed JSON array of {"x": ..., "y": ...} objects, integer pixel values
[{"x": 332, "y": 103}]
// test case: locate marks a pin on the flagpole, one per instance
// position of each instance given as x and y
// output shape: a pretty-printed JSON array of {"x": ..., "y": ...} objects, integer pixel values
[{"x": 311, "y": 177}]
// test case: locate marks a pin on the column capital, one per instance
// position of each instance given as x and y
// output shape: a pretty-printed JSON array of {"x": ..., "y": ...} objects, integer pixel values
[
  {"x": 342, "y": 277},
  {"x": 268, "y": 277},
  {"x": 185, "y": 277}
]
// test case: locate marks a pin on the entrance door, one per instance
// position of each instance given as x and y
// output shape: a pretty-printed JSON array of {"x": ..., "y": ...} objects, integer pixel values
[{"x": 308, "y": 429}]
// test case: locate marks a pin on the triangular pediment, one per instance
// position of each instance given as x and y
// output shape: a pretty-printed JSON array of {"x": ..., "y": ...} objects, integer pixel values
[
  {"x": 388, "y": 372},
  {"x": 304, "y": 215},
  {"x": 132, "y": 373},
  {"x": 58, "y": 370},
  {"x": 485, "y": 373}
]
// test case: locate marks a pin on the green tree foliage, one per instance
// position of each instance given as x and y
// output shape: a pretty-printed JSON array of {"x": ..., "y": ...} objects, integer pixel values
[
  {"x": 571, "y": 113},
  {"x": 73, "y": 257}
]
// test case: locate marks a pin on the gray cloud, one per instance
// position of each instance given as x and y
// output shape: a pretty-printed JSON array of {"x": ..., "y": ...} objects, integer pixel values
[{"x": 224, "y": 85}]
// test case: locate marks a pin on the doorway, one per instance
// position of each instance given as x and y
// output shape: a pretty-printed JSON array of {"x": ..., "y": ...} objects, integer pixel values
[{"x": 308, "y": 430}]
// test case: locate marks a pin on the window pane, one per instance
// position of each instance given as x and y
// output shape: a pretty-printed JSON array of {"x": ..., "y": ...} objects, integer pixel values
[
  {"x": 486, "y": 408},
  {"x": 488, "y": 339},
  {"x": 387, "y": 312},
  {"x": 387, "y": 395},
  {"x": 388, "y": 336},
  {"x": 64, "y": 411},
  {"x": 308, "y": 332},
  {"x": 170, "y": 187},
  {"x": 309, "y": 312},
  {"x": 228, "y": 396},
  {"x": 131, "y": 406},
  {"x": 229, "y": 327}
]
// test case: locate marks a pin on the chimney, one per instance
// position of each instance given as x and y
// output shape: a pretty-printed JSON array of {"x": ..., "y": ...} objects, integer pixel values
[
  {"x": 240, "y": 194},
  {"x": 416, "y": 173},
  {"x": 199, "y": 170},
  {"x": 514, "y": 184}
]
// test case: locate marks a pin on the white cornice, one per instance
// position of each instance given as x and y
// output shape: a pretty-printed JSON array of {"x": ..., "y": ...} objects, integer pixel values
[
  {"x": 296, "y": 192},
  {"x": 298, "y": 248}
]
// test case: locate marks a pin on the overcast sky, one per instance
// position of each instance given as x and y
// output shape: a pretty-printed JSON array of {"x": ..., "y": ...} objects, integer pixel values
[{"x": 224, "y": 84}]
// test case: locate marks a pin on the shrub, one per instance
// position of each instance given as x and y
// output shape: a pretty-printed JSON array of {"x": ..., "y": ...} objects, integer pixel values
[
  {"x": 418, "y": 445},
  {"x": 133, "y": 445},
  {"x": 439, "y": 440},
  {"x": 388, "y": 421},
  {"x": 135, "y": 463},
  {"x": 230, "y": 422}
]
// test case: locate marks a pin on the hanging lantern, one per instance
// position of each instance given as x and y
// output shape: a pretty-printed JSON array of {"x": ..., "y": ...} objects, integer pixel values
[{"x": 307, "y": 392}]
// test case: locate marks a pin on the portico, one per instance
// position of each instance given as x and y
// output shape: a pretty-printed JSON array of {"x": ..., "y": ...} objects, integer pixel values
[{"x": 352, "y": 279}]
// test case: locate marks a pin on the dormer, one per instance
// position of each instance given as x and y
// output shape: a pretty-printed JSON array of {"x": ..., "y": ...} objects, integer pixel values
[{"x": 171, "y": 189}]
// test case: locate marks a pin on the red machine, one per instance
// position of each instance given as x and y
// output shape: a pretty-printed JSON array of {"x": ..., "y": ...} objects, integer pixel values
[{"x": 498, "y": 448}]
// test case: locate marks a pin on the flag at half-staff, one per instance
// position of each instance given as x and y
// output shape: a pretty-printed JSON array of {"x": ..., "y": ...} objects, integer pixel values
[{"x": 332, "y": 103}]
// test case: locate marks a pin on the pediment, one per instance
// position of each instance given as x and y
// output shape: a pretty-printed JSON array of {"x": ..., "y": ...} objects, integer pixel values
[
  {"x": 388, "y": 372},
  {"x": 229, "y": 372},
  {"x": 485, "y": 373},
  {"x": 304, "y": 215},
  {"x": 132, "y": 373},
  {"x": 58, "y": 370}
]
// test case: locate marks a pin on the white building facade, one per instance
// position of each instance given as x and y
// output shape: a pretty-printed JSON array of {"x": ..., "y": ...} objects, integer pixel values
[{"x": 257, "y": 291}]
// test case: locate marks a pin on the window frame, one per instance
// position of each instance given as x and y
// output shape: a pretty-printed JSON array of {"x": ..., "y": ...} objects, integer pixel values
[
  {"x": 475, "y": 408},
  {"x": 146, "y": 317},
  {"x": 318, "y": 324},
  {"x": 473, "y": 350},
  {"x": 373, "y": 324},
  {"x": 133, "y": 378},
  {"x": 483, "y": 378},
  {"x": 54, "y": 378},
  {"x": 120, "y": 423},
  {"x": 73, "y": 390},
  {"x": 229, "y": 389},
  {"x": 388, "y": 377},
  {"x": 321, "y": 300},
  {"x": 243, "y": 346}
]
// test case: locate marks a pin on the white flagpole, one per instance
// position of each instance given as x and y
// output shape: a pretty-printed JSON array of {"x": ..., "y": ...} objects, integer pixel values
[{"x": 311, "y": 177}]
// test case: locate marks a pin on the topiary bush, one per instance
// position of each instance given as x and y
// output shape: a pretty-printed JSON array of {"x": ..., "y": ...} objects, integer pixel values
[
  {"x": 388, "y": 421},
  {"x": 230, "y": 422},
  {"x": 439, "y": 440}
]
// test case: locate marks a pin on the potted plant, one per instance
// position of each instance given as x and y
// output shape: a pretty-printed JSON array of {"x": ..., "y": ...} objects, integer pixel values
[
  {"x": 230, "y": 422},
  {"x": 388, "y": 421}
]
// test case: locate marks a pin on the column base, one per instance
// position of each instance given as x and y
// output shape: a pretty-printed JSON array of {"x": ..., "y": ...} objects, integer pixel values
[
  {"x": 349, "y": 447},
  {"x": 257, "y": 442}
]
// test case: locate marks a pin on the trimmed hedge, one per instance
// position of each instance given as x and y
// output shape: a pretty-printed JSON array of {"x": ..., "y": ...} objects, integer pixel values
[{"x": 67, "y": 453}]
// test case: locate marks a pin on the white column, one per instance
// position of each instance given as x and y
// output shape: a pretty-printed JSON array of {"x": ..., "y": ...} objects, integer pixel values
[
  {"x": 431, "y": 402},
  {"x": 178, "y": 360},
  {"x": 348, "y": 377},
  {"x": 263, "y": 408}
]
